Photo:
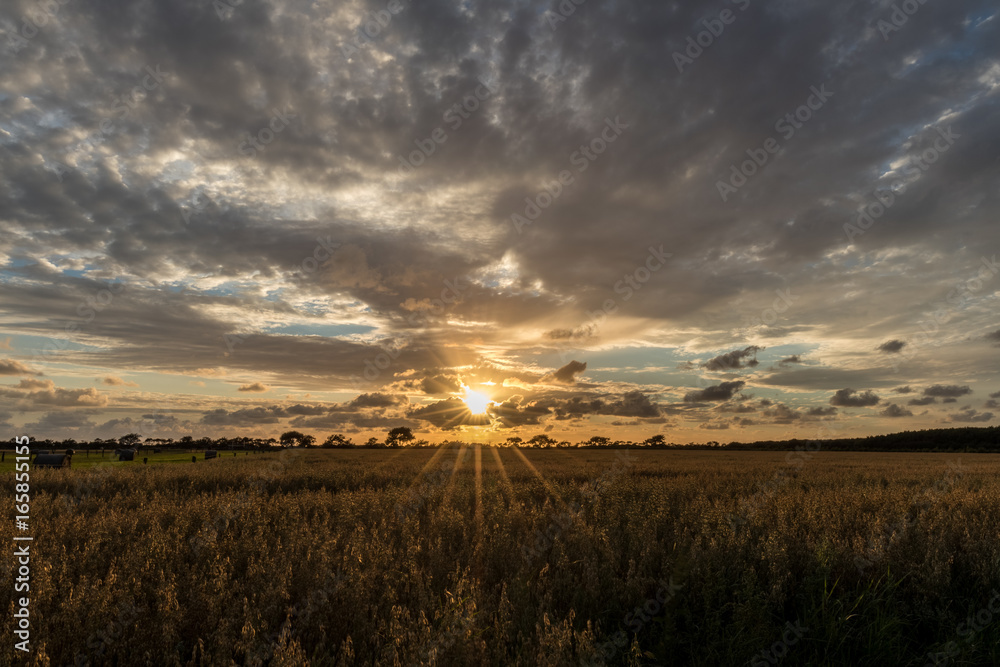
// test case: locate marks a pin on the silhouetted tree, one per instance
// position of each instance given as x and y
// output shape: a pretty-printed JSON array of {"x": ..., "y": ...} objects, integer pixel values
[
  {"x": 337, "y": 440},
  {"x": 292, "y": 438},
  {"x": 398, "y": 435}
]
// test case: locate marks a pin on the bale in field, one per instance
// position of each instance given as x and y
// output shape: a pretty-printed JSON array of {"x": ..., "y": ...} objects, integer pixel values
[
  {"x": 125, "y": 454},
  {"x": 53, "y": 461},
  {"x": 211, "y": 454}
]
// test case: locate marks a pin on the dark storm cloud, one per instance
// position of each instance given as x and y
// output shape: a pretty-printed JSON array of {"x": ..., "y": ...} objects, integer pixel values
[
  {"x": 377, "y": 401},
  {"x": 821, "y": 412},
  {"x": 892, "y": 411},
  {"x": 903, "y": 390},
  {"x": 516, "y": 412},
  {"x": 968, "y": 415},
  {"x": 794, "y": 359},
  {"x": 826, "y": 378},
  {"x": 994, "y": 336},
  {"x": 926, "y": 400},
  {"x": 782, "y": 414},
  {"x": 629, "y": 404},
  {"x": 720, "y": 392},
  {"x": 440, "y": 384},
  {"x": 849, "y": 398},
  {"x": 567, "y": 374},
  {"x": 745, "y": 358},
  {"x": 447, "y": 414},
  {"x": 947, "y": 391},
  {"x": 244, "y": 417},
  {"x": 892, "y": 346}
]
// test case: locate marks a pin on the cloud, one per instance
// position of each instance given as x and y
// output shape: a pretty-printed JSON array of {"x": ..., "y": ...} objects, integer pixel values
[
  {"x": 926, "y": 400},
  {"x": 209, "y": 241},
  {"x": 567, "y": 374},
  {"x": 13, "y": 367},
  {"x": 735, "y": 359},
  {"x": 254, "y": 387},
  {"x": 968, "y": 415},
  {"x": 782, "y": 414},
  {"x": 441, "y": 384},
  {"x": 448, "y": 414},
  {"x": 377, "y": 400},
  {"x": 714, "y": 426},
  {"x": 903, "y": 390},
  {"x": 892, "y": 410},
  {"x": 117, "y": 382},
  {"x": 244, "y": 417},
  {"x": 720, "y": 392},
  {"x": 32, "y": 394},
  {"x": 516, "y": 412},
  {"x": 892, "y": 346},
  {"x": 849, "y": 398},
  {"x": 994, "y": 336},
  {"x": 947, "y": 391},
  {"x": 794, "y": 359},
  {"x": 821, "y": 412}
]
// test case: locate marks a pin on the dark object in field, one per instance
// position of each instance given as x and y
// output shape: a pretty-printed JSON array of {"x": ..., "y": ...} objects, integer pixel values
[
  {"x": 145, "y": 460},
  {"x": 194, "y": 459},
  {"x": 157, "y": 451},
  {"x": 54, "y": 460},
  {"x": 125, "y": 454},
  {"x": 211, "y": 454}
]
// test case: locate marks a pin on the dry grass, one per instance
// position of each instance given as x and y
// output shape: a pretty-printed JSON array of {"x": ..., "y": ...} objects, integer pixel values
[{"x": 387, "y": 557}]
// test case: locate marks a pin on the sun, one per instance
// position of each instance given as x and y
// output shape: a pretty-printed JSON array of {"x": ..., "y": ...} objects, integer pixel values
[{"x": 476, "y": 402}]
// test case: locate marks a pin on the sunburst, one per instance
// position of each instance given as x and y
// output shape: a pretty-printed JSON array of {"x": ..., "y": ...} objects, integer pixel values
[{"x": 476, "y": 402}]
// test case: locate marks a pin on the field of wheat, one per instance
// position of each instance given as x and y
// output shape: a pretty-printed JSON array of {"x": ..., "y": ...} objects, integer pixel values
[{"x": 467, "y": 555}]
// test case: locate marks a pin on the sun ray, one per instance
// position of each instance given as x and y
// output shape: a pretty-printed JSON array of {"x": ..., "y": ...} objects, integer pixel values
[
  {"x": 459, "y": 459},
  {"x": 505, "y": 478},
  {"x": 545, "y": 483}
]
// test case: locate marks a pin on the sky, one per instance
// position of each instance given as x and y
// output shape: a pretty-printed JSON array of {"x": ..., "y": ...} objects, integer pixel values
[{"x": 721, "y": 221}]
